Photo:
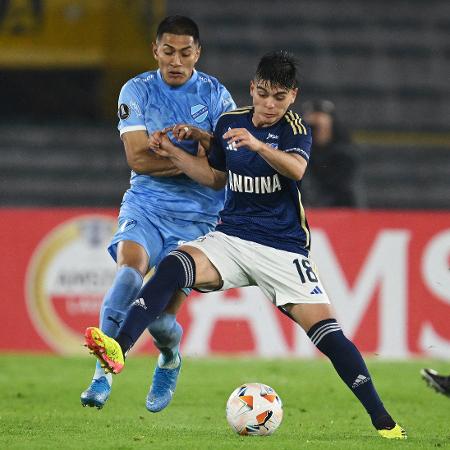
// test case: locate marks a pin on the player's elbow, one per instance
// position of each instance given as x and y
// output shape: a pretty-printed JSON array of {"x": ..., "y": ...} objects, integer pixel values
[
  {"x": 298, "y": 173},
  {"x": 136, "y": 164}
]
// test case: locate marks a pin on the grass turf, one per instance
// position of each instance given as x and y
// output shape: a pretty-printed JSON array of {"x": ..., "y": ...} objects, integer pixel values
[{"x": 40, "y": 406}]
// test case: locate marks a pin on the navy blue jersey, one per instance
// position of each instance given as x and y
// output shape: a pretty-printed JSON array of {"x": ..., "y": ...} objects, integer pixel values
[{"x": 262, "y": 205}]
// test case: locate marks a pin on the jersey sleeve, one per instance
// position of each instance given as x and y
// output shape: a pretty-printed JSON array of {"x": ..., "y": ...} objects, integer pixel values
[
  {"x": 297, "y": 137},
  {"x": 130, "y": 108},
  {"x": 222, "y": 102},
  {"x": 216, "y": 155}
]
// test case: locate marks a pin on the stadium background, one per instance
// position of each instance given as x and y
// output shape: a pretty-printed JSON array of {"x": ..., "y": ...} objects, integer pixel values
[{"x": 63, "y": 170}]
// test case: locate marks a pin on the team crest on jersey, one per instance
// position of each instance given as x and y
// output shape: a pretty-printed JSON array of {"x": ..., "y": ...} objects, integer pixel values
[
  {"x": 124, "y": 111},
  {"x": 199, "y": 112}
]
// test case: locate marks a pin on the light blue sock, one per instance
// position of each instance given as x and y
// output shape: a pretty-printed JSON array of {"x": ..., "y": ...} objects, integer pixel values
[
  {"x": 166, "y": 332},
  {"x": 126, "y": 285}
]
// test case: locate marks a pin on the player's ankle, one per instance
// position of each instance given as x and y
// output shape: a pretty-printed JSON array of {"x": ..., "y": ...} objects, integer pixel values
[{"x": 383, "y": 422}]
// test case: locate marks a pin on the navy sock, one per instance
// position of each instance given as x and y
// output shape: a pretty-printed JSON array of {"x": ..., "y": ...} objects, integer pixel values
[
  {"x": 328, "y": 337},
  {"x": 176, "y": 271}
]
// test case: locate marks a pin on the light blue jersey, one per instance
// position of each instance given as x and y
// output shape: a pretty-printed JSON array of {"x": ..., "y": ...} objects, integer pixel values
[
  {"x": 146, "y": 102},
  {"x": 160, "y": 213}
]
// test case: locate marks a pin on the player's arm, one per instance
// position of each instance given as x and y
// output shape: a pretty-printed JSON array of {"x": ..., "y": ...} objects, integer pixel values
[
  {"x": 142, "y": 159},
  {"x": 290, "y": 165},
  {"x": 195, "y": 167}
]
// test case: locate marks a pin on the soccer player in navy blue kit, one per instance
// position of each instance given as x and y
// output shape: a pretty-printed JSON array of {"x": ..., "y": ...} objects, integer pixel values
[
  {"x": 263, "y": 239},
  {"x": 163, "y": 206}
]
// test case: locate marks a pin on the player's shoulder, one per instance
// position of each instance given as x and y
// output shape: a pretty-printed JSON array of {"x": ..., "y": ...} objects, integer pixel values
[
  {"x": 294, "y": 124},
  {"x": 142, "y": 81},
  {"x": 234, "y": 115},
  {"x": 205, "y": 78}
]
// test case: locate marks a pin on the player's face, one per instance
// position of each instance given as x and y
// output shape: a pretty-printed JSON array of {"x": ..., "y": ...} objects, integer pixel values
[
  {"x": 176, "y": 56},
  {"x": 270, "y": 102}
]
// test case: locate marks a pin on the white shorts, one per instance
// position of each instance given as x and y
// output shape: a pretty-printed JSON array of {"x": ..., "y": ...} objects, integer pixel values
[{"x": 284, "y": 277}]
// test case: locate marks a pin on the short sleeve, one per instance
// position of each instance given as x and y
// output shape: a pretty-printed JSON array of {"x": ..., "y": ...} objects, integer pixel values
[
  {"x": 131, "y": 107},
  {"x": 216, "y": 155},
  {"x": 296, "y": 137},
  {"x": 222, "y": 102}
]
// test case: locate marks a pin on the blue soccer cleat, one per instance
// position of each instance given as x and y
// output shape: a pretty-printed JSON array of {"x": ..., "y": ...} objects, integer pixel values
[
  {"x": 97, "y": 394},
  {"x": 163, "y": 387}
]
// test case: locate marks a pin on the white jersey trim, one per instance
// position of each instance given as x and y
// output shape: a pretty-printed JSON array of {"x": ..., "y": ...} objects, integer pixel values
[{"x": 132, "y": 128}]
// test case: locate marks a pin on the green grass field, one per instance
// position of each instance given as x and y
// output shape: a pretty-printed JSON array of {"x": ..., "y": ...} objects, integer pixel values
[{"x": 40, "y": 406}]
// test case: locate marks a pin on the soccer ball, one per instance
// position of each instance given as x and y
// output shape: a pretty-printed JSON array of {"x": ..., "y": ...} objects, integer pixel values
[{"x": 254, "y": 409}]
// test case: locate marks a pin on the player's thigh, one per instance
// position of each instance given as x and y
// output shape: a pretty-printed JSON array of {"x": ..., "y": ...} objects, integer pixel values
[
  {"x": 206, "y": 275},
  {"x": 218, "y": 262},
  {"x": 132, "y": 254},
  {"x": 308, "y": 314},
  {"x": 136, "y": 230}
]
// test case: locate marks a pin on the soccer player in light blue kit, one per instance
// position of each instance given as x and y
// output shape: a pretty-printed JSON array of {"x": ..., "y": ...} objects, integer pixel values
[{"x": 163, "y": 207}]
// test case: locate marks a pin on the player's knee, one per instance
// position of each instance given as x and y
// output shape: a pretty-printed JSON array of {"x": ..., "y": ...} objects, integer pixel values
[
  {"x": 179, "y": 267},
  {"x": 162, "y": 324}
]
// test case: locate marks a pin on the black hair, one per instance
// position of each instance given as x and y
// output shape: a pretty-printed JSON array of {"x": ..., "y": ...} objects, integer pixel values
[
  {"x": 179, "y": 25},
  {"x": 278, "y": 69}
]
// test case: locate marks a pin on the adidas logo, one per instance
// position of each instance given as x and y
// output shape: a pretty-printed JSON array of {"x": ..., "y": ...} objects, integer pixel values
[
  {"x": 140, "y": 302},
  {"x": 360, "y": 379},
  {"x": 316, "y": 290}
]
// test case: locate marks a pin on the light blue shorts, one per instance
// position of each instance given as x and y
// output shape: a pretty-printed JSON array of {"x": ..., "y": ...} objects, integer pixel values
[{"x": 158, "y": 235}]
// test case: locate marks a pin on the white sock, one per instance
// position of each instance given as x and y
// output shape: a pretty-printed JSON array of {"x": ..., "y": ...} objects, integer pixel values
[
  {"x": 99, "y": 372},
  {"x": 169, "y": 364}
]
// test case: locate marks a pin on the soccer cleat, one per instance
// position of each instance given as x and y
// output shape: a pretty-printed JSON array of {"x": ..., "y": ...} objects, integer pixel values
[
  {"x": 438, "y": 382},
  {"x": 163, "y": 387},
  {"x": 395, "y": 433},
  {"x": 106, "y": 349},
  {"x": 97, "y": 394}
]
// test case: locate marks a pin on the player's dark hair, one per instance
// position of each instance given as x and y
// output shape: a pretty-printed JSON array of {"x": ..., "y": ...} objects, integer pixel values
[
  {"x": 179, "y": 25},
  {"x": 278, "y": 69}
]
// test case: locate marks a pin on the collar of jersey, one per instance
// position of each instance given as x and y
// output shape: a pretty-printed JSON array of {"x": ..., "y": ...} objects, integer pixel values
[
  {"x": 250, "y": 121},
  {"x": 181, "y": 88}
]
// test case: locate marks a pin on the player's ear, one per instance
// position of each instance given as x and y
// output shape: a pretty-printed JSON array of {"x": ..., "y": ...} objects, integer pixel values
[
  {"x": 294, "y": 93},
  {"x": 155, "y": 50},
  {"x": 198, "y": 53},
  {"x": 252, "y": 87}
]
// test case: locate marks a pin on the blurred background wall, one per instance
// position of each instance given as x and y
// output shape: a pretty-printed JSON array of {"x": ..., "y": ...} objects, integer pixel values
[{"x": 384, "y": 64}]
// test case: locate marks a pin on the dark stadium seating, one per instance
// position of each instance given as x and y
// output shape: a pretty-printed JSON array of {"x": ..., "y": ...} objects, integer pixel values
[
  {"x": 86, "y": 166},
  {"x": 385, "y": 64}
]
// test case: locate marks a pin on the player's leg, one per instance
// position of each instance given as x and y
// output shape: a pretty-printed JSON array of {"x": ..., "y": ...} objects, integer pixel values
[
  {"x": 165, "y": 330},
  {"x": 132, "y": 263},
  {"x": 322, "y": 328},
  {"x": 184, "y": 268},
  {"x": 297, "y": 289},
  {"x": 166, "y": 333},
  {"x": 136, "y": 240}
]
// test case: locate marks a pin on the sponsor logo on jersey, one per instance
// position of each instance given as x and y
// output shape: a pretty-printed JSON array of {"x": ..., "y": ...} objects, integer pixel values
[
  {"x": 254, "y": 185},
  {"x": 199, "y": 112},
  {"x": 272, "y": 136},
  {"x": 124, "y": 111}
]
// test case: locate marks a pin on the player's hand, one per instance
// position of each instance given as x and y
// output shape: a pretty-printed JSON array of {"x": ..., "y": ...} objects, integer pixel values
[
  {"x": 241, "y": 137},
  {"x": 165, "y": 148},
  {"x": 201, "y": 152},
  {"x": 155, "y": 139},
  {"x": 184, "y": 131}
]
